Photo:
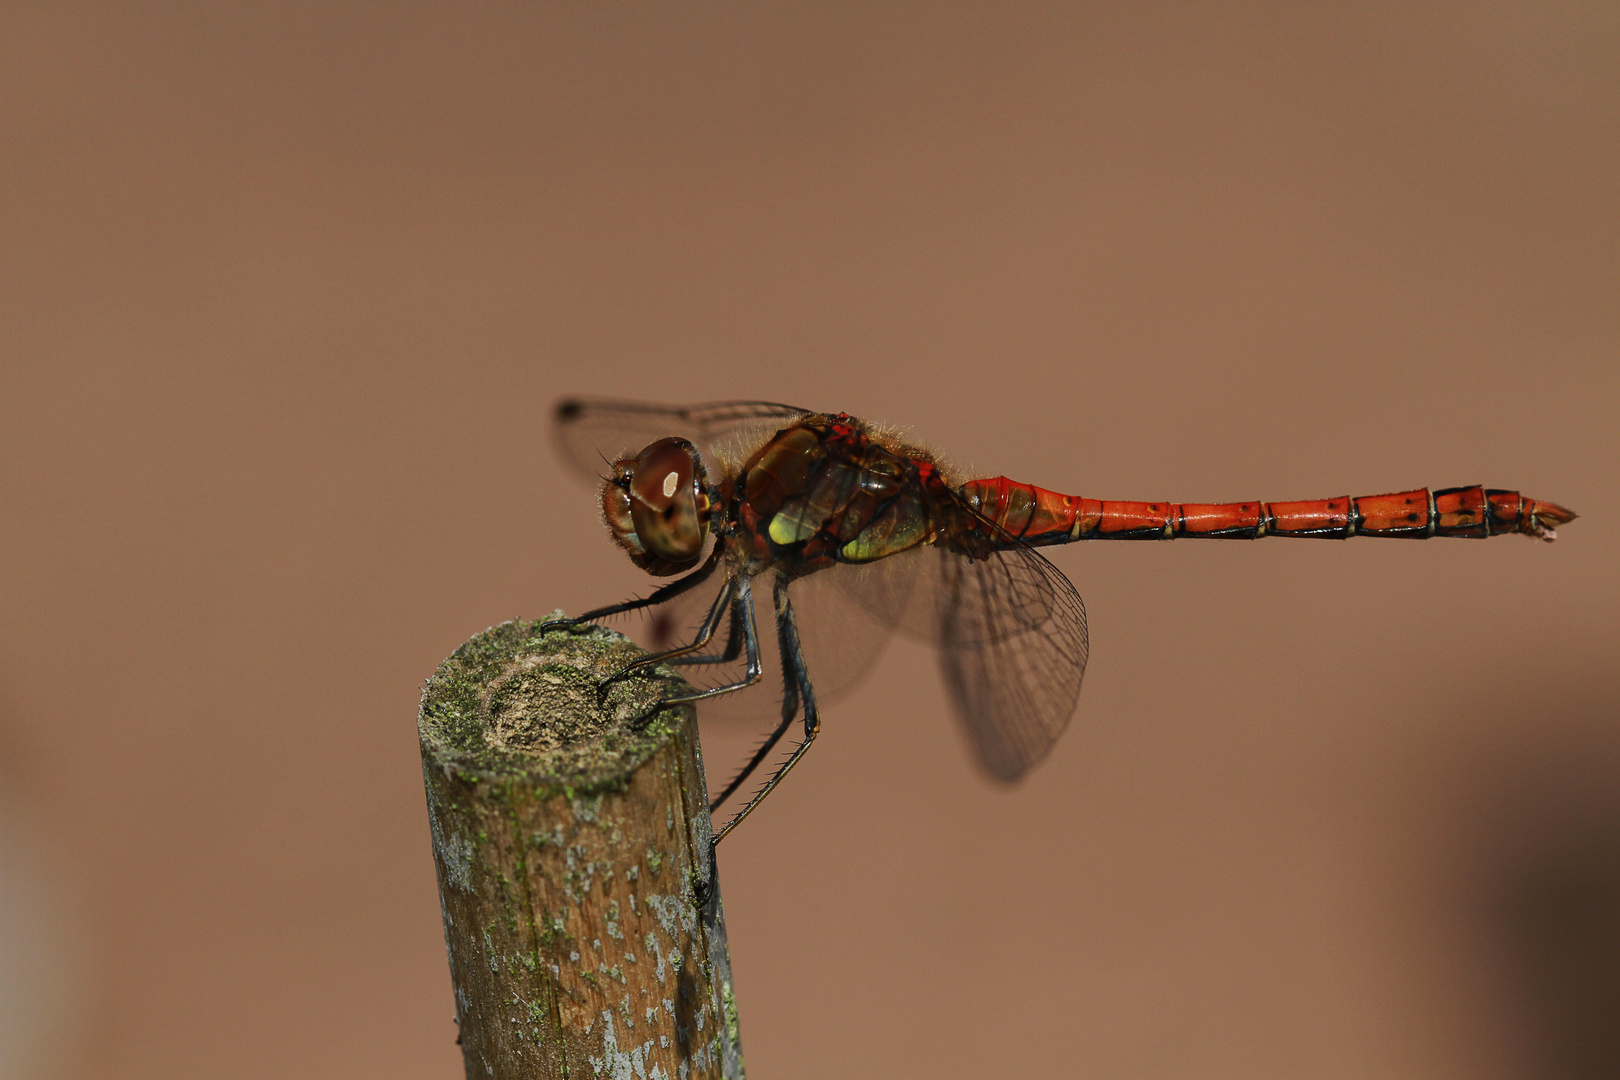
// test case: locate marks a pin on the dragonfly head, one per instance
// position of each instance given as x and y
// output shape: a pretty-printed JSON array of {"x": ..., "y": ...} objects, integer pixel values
[{"x": 657, "y": 506}]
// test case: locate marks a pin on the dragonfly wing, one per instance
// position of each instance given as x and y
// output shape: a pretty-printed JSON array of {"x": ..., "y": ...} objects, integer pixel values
[
  {"x": 590, "y": 432},
  {"x": 897, "y": 591},
  {"x": 1013, "y": 646},
  {"x": 840, "y": 641}
]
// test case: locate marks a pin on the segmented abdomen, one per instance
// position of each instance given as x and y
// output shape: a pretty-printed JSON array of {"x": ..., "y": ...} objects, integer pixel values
[{"x": 1037, "y": 516}]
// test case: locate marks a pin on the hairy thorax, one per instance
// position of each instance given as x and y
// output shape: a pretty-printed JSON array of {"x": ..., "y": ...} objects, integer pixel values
[{"x": 829, "y": 490}]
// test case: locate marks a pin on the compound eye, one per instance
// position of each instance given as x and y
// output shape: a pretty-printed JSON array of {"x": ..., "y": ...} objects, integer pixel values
[{"x": 667, "y": 505}]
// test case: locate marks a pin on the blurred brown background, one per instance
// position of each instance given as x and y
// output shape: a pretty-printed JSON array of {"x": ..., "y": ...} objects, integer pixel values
[{"x": 288, "y": 290}]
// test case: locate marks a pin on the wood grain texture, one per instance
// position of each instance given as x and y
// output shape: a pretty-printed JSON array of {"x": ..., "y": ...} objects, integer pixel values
[{"x": 567, "y": 846}]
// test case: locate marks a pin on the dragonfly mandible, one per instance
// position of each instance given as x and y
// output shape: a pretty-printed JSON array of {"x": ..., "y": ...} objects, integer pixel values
[{"x": 746, "y": 489}]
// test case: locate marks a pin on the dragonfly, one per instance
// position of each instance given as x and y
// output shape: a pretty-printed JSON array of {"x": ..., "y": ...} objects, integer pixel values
[{"x": 754, "y": 490}]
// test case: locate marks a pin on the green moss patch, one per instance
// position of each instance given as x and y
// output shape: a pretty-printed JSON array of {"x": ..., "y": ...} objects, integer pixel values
[{"x": 514, "y": 702}]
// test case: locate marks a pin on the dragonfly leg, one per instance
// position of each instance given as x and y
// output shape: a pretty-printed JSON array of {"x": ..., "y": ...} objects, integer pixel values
[
  {"x": 797, "y": 691},
  {"x": 790, "y": 709},
  {"x": 725, "y": 600},
  {"x": 742, "y": 605},
  {"x": 659, "y": 596},
  {"x": 734, "y": 645}
]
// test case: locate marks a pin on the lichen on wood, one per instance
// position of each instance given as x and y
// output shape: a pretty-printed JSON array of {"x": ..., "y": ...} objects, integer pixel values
[{"x": 568, "y": 842}]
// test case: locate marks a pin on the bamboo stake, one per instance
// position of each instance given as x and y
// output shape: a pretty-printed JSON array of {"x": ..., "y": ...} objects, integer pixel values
[{"x": 568, "y": 846}]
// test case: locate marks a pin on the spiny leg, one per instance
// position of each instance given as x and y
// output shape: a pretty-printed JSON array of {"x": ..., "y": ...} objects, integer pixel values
[
  {"x": 734, "y": 644},
  {"x": 790, "y": 709},
  {"x": 742, "y": 601},
  {"x": 787, "y": 631},
  {"x": 659, "y": 595},
  {"x": 793, "y": 663},
  {"x": 725, "y": 600}
]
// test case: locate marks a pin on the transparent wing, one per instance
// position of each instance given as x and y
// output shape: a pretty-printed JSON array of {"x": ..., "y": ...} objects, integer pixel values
[
  {"x": 840, "y": 641},
  {"x": 1013, "y": 646},
  {"x": 588, "y": 430},
  {"x": 1011, "y": 634},
  {"x": 918, "y": 590}
]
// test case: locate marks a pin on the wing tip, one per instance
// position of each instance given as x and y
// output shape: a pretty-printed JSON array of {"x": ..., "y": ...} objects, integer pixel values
[{"x": 1003, "y": 776}]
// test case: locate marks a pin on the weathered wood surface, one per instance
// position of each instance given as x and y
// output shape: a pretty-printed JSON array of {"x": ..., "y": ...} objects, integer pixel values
[{"x": 568, "y": 846}]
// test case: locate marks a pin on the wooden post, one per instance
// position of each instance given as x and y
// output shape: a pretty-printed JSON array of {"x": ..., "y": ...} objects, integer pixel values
[{"x": 568, "y": 846}]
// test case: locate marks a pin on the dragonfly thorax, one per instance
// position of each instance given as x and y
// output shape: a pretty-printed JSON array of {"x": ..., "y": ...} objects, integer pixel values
[{"x": 825, "y": 491}]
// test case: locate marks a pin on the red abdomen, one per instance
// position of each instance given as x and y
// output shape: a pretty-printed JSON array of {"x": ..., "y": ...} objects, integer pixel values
[{"x": 1037, "y": 516}]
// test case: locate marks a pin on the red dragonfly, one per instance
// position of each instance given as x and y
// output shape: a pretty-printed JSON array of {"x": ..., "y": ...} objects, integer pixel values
[{"x": 792, "y": 493}]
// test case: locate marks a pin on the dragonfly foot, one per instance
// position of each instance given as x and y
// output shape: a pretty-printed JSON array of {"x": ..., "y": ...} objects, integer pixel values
[
  {"x": 640, "y": 723},
  {"x": 640, "y": 668},
  {"x": 602, "y": 689}
]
